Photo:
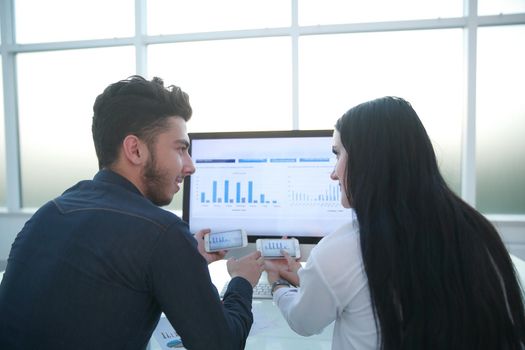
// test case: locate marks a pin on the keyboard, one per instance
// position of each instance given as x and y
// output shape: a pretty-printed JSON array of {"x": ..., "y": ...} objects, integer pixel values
[{"x": 263, "y": 290}]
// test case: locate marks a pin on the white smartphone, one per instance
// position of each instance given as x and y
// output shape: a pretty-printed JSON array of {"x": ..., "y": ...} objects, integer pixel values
[
  {"x": 226, "y": 240},
  {"x": 270, "y": 248}
]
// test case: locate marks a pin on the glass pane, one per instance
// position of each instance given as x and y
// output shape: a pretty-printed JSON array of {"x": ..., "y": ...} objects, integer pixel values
[
  {"x": 424, "y": 67},
  {"x": 313, "y": 12},
  {"x": 56, "y": 95},
  {"x": 491, "y": 7},
  {"x": 64, "y": 20},
  {"x": 3, "y": 167},
  {"x": 501, "y": 120},
  {"x": 184, "y": 16},
  {"x": 233, "y": 84}
]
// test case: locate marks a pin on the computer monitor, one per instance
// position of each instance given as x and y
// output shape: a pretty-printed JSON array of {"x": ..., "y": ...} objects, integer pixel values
[{"x": 269, "y": 183}]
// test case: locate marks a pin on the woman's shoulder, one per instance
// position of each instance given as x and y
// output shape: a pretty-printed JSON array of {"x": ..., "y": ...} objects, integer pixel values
[
  {"x": 348, "y": 232},
  {"x": 342, "y": 244}
]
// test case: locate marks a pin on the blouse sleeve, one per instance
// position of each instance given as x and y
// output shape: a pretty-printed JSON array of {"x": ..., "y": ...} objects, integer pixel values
[{"x": 310, "y": 308}]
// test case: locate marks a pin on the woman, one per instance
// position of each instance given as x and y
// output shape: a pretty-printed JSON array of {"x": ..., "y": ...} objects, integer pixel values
[{"x": 420, "y": 268}]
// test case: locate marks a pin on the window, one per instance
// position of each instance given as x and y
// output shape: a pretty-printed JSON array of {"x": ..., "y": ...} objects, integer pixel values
[
  {"x": 491, "y": 7},
  {"x": 185, "y": 16},
  {"x": 500, "y": 120},
  {"x": 56, "y": 93},
  {"x": 234, "y": 85},
  {"x": 64, "y": 20},
  {"x": 424, "y": 67},
  {"x": 313, "y": 12}
]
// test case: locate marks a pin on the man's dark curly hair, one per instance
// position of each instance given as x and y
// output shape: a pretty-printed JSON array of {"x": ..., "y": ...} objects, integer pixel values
[{"x": 134, "y": 106}]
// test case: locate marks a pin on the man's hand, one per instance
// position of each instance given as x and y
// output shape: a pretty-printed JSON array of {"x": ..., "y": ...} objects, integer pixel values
[
  {"x": 210, "y": 257},
  {"x": 249, "y": 267}
]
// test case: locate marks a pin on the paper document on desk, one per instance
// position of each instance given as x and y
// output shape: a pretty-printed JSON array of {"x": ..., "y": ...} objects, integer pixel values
[{"x": 166, "y": 336}]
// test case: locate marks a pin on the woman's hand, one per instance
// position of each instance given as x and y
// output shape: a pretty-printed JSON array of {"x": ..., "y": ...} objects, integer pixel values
[
  {"x": 289, "y": 273},
  {"x": 283, "y": 268}
]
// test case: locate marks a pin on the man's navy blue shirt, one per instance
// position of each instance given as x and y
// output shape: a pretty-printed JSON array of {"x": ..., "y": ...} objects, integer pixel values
[{"x": 95, "y": 267}]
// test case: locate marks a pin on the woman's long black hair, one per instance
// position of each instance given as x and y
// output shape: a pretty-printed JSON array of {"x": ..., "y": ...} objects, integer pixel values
[{"x": 439, "y": 274}]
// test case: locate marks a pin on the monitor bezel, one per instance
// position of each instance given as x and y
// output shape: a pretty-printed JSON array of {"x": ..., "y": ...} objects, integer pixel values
[{"x": 248, "y": 135}]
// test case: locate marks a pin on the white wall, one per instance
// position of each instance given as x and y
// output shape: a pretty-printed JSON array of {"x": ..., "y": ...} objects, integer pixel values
[{"x": 512, "y": 231}]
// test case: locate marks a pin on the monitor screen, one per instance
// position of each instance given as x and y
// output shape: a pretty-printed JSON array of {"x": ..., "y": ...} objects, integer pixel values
[{"x": 269, "y": 183}]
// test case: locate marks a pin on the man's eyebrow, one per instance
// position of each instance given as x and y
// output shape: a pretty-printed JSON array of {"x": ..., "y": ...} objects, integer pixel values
[{"x": 183, "y": 142}]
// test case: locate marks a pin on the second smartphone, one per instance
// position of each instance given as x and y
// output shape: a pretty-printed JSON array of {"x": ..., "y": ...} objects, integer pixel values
[
  {"x": 270, "y": 248},
  {"x": 225, "y": 240}
]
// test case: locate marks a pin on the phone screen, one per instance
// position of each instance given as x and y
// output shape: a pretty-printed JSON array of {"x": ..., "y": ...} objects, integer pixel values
[
  {"x": 272, "y": 248},
  {"x": 225, "y": 240}
]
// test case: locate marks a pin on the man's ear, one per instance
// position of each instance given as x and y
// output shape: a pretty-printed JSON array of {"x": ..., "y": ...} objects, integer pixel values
[{"x": 135, "y": 151}]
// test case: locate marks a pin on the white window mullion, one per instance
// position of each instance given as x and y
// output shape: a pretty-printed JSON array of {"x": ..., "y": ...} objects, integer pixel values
[
  {"x": 295, "y": 65},
  {"x": 468, "y": 150},
  {"x": 140, "y": 33},
  {"x": 12, "y": 145}
]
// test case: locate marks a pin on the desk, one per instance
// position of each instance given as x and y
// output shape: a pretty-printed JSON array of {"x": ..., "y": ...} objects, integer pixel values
[
  {"x": 270, "y": 330},
  {"x": 275, "y": 333}
]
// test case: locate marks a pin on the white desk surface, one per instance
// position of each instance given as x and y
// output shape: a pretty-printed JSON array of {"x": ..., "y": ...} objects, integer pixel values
[{"x": 270, "y": 330}]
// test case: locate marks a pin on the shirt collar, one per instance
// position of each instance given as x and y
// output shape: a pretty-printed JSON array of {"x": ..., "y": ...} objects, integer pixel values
[{"x": 106, "y": 175}]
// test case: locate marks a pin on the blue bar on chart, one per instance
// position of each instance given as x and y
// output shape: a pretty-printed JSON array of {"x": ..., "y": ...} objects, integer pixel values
[{"x": 238, "y": 194}]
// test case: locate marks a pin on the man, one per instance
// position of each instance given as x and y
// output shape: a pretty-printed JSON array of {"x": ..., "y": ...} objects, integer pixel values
[{"x": 95, "y": 267}]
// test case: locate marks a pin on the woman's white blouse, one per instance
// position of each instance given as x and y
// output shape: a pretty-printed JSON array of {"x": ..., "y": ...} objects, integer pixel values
[{"x": 334, "y": 287}]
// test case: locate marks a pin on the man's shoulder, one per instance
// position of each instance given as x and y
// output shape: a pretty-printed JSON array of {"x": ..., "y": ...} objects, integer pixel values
[{"x": 113, "y": 200}]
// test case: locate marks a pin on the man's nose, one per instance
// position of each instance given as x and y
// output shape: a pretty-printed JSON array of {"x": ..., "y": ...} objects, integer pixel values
[{"x": 190, "y": 167}]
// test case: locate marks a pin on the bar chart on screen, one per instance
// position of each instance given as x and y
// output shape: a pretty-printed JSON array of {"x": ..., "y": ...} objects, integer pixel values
[{"x": 260, "y": 188}]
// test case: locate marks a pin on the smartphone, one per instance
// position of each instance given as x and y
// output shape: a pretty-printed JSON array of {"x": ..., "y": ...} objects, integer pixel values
[
  {"x": 226, "y": 240},
  {"x": 270, "y": 248}
]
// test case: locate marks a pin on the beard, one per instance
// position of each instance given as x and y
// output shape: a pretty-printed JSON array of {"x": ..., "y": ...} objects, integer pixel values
[{"x": 156, "y": 182}]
